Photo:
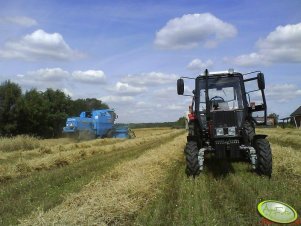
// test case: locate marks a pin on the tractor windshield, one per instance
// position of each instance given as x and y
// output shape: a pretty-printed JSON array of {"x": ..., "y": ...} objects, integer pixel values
[{"x": 224, "y": 93}]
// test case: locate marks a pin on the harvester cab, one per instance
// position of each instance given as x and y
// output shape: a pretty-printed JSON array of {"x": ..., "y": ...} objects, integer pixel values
[
  {"x": 96, "y": 124},
  {"x": 222, "y": 121}
]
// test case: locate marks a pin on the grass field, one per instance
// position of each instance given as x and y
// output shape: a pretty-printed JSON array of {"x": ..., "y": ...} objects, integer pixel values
[{"x": 138, "y": 182}]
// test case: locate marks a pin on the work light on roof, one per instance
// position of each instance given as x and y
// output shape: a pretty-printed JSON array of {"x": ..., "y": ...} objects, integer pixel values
[{"x": 231, "y": 71}]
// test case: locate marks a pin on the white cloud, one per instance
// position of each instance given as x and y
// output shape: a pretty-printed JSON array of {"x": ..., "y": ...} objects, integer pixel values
[
  {"x": 248, "y": 60},
  {"x": 191, "y": 30},
  {"x": 139, "y": 100},
  {"x": 166, "y": 92},
  {"x": 126, "y": 89},
  {"x": 150, "y": 79},
  {"x": 77, "y": 84},
  {"x": 283, "y": 92},
  {"x": 44, "y": 78},
  {"x": 174, "y": 107},
  {"x": 48, "y": 74},
  {"x": 281, "y": 46},
  {"x": 197, "y": 64},
  {"x": 90, "y": 76},
  {"x": 117, "y": 99},
  {"x": 57, "y": 74},
  {"x": 19, "y": 20},
  {"x": 39, "y": 45},
  {"x": 67, "y": 92}
]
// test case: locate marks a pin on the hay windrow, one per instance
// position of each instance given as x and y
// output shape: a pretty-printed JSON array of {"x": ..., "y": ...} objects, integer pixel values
[
  {"x": 119, "y": 195},
  {"x": 286, "y": 160},
  {"x": 21, "y": 142},
  {"x": 74, "y": 155},
  {"x": 69, "y": 144},
  {"x": 62, "y": 155}
]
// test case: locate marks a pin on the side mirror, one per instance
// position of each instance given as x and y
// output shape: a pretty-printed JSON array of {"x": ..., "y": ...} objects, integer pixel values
[
  {"x": 180, "y": 86},
  {"x": 260, "y": 81}
]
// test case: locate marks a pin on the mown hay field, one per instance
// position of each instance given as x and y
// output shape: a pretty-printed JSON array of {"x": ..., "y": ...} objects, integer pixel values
[{"x": 139, "y": 181}]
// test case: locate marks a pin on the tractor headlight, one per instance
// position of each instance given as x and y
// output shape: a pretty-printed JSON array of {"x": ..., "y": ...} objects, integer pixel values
[
  {"x": 219, "y": 131},
  {"x": 231, "y": 131}
]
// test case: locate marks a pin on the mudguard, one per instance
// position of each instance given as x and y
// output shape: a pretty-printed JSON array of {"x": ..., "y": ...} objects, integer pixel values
[{"x": 259, "y": 136}]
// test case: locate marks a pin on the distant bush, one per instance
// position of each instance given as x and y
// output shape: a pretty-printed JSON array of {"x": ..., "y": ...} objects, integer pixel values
[{"x": 21, "y": 142}]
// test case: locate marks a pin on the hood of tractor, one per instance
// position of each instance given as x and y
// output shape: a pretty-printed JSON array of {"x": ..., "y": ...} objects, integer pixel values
[{"x": 226, "y": 123}]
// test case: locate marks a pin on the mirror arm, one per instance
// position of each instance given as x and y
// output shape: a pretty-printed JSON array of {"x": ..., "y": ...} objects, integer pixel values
[{"x": 250, "y": 79}]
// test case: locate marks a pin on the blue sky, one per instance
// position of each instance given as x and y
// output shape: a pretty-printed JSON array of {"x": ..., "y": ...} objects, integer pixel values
[{"x": 130, "y": 53}]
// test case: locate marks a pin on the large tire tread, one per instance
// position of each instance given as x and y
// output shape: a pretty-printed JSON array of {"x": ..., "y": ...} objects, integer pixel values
[
  {"x": 192, "y": 163},
  {"x": 264, "y": 157}
]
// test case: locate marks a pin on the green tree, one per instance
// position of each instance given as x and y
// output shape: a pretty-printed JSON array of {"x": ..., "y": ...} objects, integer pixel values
[
  {"x": 10, "y": 93},
  {"x": 181, "y": 121},
  {"x": 33, "y": 112},
  {"x": 88, "y": 104},
  {"x": 59, "y": 106},
  {"x": 39, "y": 113}
]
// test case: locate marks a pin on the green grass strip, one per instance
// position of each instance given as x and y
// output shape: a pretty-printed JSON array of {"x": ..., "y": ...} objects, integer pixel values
[{"x": 217, "y": 197}]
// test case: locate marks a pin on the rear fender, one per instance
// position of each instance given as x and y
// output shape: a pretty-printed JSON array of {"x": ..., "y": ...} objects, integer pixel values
[
  {"x": 259, "y": 136},
  {"x": 191, "y": 138}
]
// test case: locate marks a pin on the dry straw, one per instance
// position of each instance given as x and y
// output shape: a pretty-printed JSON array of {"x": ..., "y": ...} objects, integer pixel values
[
  {"x": 62, "y": 155},
  {"x": 22, "y": 142},
  {"x": 119, "y": 195},
  {"x": 286, "y": 160}
]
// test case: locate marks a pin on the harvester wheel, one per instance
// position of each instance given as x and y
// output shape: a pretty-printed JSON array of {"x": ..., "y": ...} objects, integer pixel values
[
  {"x": 132, "y": 134},
  {"x": 264, "y": 157},
  {"x": 85, "y": 135},
  {"x": 109, "y": 134},
  {"x": 192, "y": 163}
]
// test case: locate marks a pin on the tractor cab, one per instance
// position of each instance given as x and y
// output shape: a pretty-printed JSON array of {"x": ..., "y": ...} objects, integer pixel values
[{"x": 224, "y": 93}]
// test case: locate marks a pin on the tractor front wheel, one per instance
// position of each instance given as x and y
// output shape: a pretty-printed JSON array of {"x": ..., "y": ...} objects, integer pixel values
[
  {"x": 249, "y": 132},
  {"x": 192, "y": 164},
  {"x": 264, "y": 157}
]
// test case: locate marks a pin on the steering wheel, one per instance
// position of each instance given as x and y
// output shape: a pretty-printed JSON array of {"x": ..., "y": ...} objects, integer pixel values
[
  {"x": 214, "y": 102},
  {"x": 217, "y": 97}
]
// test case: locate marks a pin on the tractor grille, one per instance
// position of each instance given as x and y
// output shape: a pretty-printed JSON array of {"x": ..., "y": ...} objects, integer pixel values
[{"x": 224, "y": 118}]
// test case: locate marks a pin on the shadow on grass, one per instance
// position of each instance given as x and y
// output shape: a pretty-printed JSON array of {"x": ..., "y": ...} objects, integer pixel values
[{"x": 220, "y": 168}]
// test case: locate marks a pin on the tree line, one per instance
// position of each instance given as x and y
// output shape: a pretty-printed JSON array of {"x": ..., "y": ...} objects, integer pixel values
[
  {"x": 180, "y": 123},
  {"x": 39, "y": 113}
]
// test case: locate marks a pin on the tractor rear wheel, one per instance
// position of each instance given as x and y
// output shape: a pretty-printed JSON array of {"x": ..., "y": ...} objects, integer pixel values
[
  {"x": 192, "y": 163},
  {"x": 264, "y": 157}
]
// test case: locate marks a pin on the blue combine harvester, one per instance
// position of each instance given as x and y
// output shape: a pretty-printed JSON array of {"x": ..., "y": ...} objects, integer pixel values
[{"x": 96, "y": 124}]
